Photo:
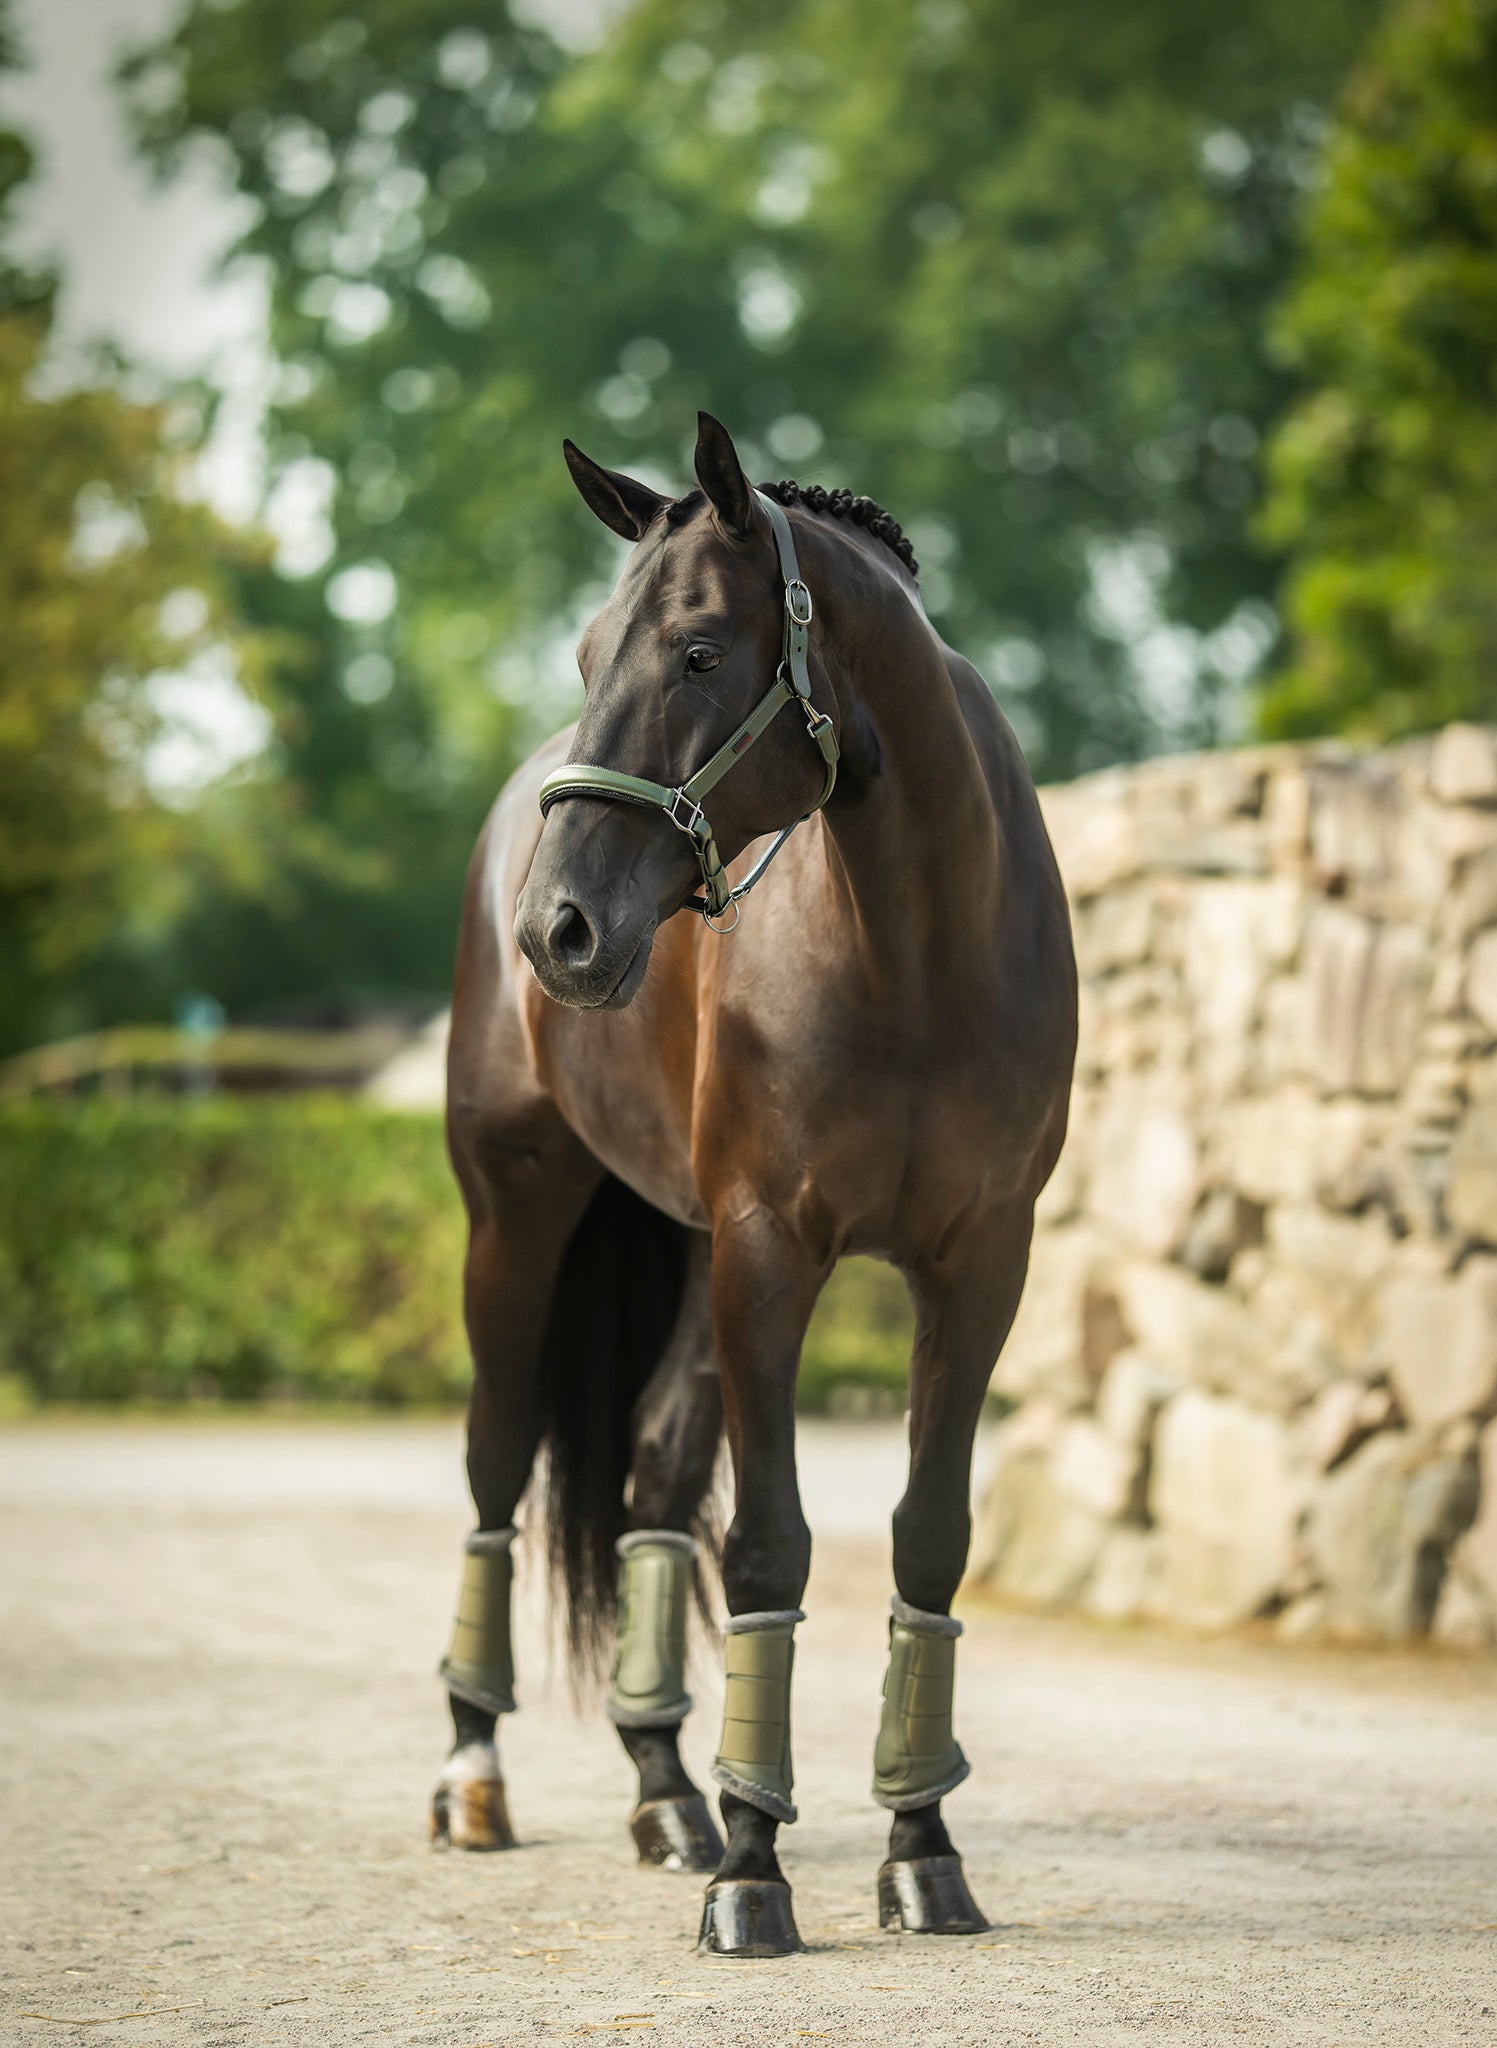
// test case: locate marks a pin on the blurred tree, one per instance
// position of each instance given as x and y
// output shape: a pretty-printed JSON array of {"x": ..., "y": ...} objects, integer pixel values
[
  {"x": 1385, "y": 476},
  {"x": 108, "y": 582},
  {"x": 1005, "y": 268}
]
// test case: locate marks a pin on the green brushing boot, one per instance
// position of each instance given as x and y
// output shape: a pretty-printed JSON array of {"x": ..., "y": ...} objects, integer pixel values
[
  {"x": 648, "y": 1688},
  {"x": 917, "y": 1760},
  {"x": 469, "y": 1809},
  {"x": 746, "y": 1917}
]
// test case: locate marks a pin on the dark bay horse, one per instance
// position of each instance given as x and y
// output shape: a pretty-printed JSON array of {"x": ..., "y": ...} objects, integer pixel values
[{"x": 667, "y": 1137}]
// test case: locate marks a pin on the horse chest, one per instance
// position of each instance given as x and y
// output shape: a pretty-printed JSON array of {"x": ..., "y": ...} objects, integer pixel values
[{"x": 871, "y": 1138}]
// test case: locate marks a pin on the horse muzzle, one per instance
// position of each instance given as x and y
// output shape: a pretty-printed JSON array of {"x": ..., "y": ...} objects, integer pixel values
[{"x": 579, "y": 957}]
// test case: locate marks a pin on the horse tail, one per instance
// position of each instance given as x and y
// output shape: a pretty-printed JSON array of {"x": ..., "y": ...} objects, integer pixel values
[{"x": 615, "y": 1304}]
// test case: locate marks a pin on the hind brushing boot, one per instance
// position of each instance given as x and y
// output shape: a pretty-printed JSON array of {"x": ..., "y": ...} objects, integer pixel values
[
  {"x": 648, "y": 1693},
  {"x": 469, "y": 1809}
]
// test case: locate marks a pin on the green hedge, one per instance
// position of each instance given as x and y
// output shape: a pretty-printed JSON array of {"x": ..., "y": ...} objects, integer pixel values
[
  {"x": 156, "y": 1249},
  {"x": 160, "y": 1249}
]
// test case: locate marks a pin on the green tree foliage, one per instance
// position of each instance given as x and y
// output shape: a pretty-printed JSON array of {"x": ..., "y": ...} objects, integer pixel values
[
  {"x": 107, "y": 579},
  {"x": 1003, "y": 267},
  {"x": 1385, "y": 477}
]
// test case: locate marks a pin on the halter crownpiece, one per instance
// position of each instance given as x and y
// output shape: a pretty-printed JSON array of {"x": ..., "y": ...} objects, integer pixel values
[{"x": 683, "y": 804}]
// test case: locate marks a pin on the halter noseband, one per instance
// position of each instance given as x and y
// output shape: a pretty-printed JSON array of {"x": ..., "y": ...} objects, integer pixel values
[{"x": 683, "y": 805}]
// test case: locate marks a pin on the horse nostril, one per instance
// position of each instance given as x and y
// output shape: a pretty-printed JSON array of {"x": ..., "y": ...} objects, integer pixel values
[{"x": 572, "y": 938}]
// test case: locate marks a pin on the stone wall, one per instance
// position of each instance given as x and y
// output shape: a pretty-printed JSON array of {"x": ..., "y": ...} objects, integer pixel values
[{"x": 1255, "y": 1372}]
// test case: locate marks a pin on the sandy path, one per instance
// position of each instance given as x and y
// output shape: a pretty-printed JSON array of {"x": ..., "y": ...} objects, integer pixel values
[{"x": 218, "y": 1728}]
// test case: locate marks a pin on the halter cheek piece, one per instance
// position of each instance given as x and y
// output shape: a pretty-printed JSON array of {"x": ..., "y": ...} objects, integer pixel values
[{"x": 683, "y": 805}]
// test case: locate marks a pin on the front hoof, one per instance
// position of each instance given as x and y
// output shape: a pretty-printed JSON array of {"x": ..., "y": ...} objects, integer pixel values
[
  {"x": 928, "y": 1895},
  {"x": 468, "y": 1808},
  {"x": 748, "y": 1916},
  {"x": 676, "y": 1834}
]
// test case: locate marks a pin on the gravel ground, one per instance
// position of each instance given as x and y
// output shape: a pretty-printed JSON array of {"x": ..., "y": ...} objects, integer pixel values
[{"x": 218, "y": 1729}]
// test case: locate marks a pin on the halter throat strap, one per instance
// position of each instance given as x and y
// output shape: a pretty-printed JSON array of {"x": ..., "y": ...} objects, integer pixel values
[{"x": 683, "y": 804}]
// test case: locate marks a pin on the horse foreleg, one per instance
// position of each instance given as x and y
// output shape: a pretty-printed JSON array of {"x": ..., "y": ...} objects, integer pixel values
[
  {"x": 517, "y": 1236},
  {"x": 763, "y": 1290},
  {"x": 964, "y": 1315},
  {"x": 677, "y": 1426}
]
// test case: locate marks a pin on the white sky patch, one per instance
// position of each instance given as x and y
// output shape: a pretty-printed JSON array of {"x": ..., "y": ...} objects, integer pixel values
[
  {"x": 768, "y": 303},
  {"x": 795, "y": 437},
  {"x": 537, "y": 674},
  {"x": 184, "y": 613},
  {"x": 140, "y": 261},
  {"x": 369, "y": 677},
  {"x": 1171, "y": 662},
  {"x": 1016, "y": 664},
  {"x": 299, "y": 513},
  {"x": 575, "y": 24},
  {"x": 789, "y": 184},
  {"x": 1124, "y": 600},
  {"x": 364, "y": 594},
  {"x": 209, "y": 727},
  {"x": 103, "y": 529},
  {"x": 140, "y": 268},
  {"x": 138, "y": 258},
  {"x": 1167, "y": 663}
]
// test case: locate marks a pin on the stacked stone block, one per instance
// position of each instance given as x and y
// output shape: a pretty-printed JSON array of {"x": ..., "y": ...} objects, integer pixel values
[{"x": 1255, "y": 1373}]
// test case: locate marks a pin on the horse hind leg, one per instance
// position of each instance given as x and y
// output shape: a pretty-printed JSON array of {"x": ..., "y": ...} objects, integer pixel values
[
  {"x": 469, "y": 1807},
  {"x": 677, "y": 1424}
]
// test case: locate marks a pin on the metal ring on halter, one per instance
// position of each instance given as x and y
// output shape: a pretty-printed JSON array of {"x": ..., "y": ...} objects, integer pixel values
[{"x": 723, "y": 930}]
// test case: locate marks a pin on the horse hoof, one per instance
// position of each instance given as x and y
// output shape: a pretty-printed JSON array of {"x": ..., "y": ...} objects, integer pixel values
[
  {"x": 676, "y": 1834},
  {"x": 748, "y": 1916},
  {"x": 468, "y": 1808},
  {"x": 928, "y": 1895}
]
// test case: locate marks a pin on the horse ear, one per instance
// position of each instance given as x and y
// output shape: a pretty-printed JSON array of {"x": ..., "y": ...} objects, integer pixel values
[
  {"x": 720, "y": 474},
  {"x": 621, "y": 502}
]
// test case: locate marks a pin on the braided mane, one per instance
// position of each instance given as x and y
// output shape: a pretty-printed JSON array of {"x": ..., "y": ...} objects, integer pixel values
[
  {"x": 865, "y": 512},
  {"x": 861, "y": 511}
]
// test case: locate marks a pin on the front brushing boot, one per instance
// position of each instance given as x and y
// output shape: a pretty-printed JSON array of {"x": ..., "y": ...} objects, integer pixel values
[
  {"x": 917, "y": 1760},
  {"x": 648, "y": 1688},
  {"x": 753, "y": 1916}
]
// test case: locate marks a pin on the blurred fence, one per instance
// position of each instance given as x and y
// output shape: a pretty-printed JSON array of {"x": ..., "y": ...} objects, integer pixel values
[
  {"x": 158, "y": 1055},
  {"x": 1256, "y": 1365}
]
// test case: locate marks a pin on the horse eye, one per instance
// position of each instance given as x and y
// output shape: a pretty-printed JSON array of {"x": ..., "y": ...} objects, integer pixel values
[{"x": 700, "y": 658}]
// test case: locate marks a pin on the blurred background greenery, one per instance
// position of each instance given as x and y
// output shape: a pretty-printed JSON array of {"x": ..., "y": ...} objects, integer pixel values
[
  {"x": 1170, "y": 337},
  {"x": 305, "y": 1249}
]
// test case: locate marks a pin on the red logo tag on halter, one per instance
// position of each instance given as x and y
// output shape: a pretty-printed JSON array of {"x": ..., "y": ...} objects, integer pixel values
[{"x": 741, "y": 742}]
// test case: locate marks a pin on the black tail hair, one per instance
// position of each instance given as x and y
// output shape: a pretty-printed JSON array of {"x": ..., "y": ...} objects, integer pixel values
[{"x": 618, "y": 1294}]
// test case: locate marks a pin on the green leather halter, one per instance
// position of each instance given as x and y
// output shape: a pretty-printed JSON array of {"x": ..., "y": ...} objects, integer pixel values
[{"x": 683, "y": 805}]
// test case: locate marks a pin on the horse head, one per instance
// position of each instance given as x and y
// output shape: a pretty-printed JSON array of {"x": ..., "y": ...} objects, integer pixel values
[{"x": 689, "y": 660}]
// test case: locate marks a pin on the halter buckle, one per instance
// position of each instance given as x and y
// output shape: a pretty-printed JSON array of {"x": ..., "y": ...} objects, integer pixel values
[
  {"x": 798, "y": 602},
  {"x": 694, "y": 819}
]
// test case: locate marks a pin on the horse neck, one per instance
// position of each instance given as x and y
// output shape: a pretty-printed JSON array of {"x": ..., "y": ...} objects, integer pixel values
[{"x": 914, "y": 839}]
